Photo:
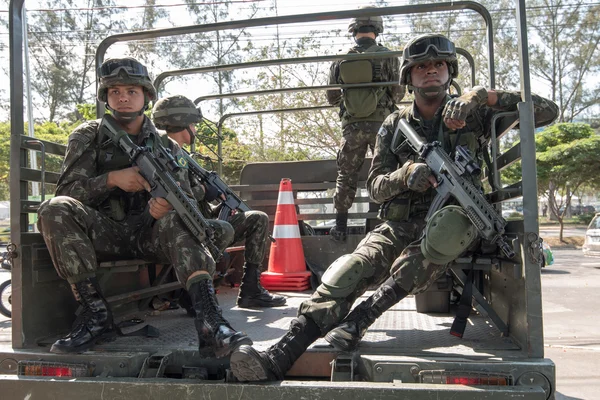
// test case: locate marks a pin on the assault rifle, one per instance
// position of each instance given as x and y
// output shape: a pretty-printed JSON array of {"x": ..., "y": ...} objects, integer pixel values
[
  {"x": 157, "y": 170},
  {"x": 450, "y": 176},
  {"x": 210, "y": 178}
]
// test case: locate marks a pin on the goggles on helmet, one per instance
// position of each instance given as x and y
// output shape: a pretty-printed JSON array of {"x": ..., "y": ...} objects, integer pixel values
[
  {"x": 441, "y": 45},
  {"x": 112, "y": 68}
]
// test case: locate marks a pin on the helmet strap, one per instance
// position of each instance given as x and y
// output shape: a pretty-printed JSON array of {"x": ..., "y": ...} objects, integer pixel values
[
  {"x": 431, "y": 92},
  {"x": 125, "y": 117},
  {"x": 192, "y": 136}
]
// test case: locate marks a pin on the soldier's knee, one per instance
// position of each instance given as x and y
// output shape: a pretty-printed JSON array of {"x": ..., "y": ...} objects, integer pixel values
[
  {"x": 224, "y": 232},
  {"x": 60, "y": 205},
  {"x": 343, "y": 276},
  {"x": 449, "y": 232}
]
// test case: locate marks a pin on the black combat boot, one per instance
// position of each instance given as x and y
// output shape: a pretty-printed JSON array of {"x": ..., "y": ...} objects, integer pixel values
[
  {"x": 347, "y": 335},
  {"x": 94, "y": 323},
  {"x": 214, "y": 332},
  {"x": 249, "y": 365},
  {"x": 252, "y": 294},
  {"x": 340, "y": 231}
]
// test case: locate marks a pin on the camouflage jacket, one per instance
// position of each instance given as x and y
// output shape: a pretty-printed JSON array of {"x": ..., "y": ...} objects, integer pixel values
[
  {"x": 91, "y": 155},
  {"x": 385, "y": 182},
  {"x": 390, "y": 72}
]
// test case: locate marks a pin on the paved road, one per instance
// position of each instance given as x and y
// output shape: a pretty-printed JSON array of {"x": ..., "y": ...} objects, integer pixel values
[
  {"x": 571, "y": 293},
  {"x": 548, "y": 231}
]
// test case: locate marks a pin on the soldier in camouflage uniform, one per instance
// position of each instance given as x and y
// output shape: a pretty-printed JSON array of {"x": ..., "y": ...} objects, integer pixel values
[
  {"x": 103, "y": 211},
  {"x": 403, "y": 187},
  {"x": 359, "y": 127},
  {"x": 177, "y": 115}
]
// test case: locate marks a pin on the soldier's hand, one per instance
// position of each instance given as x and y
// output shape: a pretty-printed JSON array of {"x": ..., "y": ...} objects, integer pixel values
[
  {"x": 456, "y": 110},
  {"x": 128, "y": 179},
  {"x": 159, "y": 207},
  {"x": 420, "y": 177}
]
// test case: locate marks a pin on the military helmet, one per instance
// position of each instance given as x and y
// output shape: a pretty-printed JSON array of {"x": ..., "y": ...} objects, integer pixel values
[
  {"x": 375, "y": 22},
  {"x": 426, "y": 47},
  {"x": 175, "y": 111},
  {"x": 123, "y": 71}
]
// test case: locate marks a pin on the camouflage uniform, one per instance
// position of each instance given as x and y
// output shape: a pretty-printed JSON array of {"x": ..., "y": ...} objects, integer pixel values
[
  {"x": 359, "y": 133},
  {"x": 395, "y": 243},
  {"x": 249, "y": 226},
  {"x": 87, "y": 223}
]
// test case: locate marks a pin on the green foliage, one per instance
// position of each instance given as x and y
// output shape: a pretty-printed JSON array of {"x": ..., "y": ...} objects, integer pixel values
[
  {"x": 48, "y": 131},
  {"x": 584, "y": 219}
]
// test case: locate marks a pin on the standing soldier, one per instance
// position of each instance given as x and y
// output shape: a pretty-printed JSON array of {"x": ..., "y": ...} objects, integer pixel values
[
  {"x": 178, "y": 116},
  {"x": 417, "y": 252},
  {"x": 362, "y": 110},
  {"x": 103, "y": 210}
]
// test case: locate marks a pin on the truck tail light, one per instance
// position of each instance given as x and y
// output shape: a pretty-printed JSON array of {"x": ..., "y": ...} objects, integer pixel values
[
  {"x": 55, "y": 369},
  {"x": 464, "y": 378}
]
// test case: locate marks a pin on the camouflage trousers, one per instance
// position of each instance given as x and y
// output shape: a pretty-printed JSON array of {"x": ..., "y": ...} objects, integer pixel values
[
  {"x": 356, "y": 138},
  {"x": 78, "y": 237},
  {"x": 391, "y": 249},
  {"x": 253, "y": 228}
]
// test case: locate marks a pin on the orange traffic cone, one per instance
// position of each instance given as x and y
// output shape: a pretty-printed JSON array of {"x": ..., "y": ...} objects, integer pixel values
[{"x": 287, "y": 267}]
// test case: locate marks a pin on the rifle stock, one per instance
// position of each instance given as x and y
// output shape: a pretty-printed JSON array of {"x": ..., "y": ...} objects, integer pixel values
[
  {"x": 451, "y": 182},
  {"x": 157, "y": 172}
]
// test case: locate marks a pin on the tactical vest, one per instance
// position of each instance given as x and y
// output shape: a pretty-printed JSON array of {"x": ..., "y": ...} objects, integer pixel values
[
  {"x": 413, "y": 205},
  {"x": 120, "y": 204},
  {"x": 363, "y": 104}
]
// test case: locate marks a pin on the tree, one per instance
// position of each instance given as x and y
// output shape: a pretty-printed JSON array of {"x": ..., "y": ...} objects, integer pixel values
[
  {"x": 49, "y": 131},
  {"x": 567, "y": 159},
  {"x": 62, "y": 43},
  {"x": 566, "y": 55}
]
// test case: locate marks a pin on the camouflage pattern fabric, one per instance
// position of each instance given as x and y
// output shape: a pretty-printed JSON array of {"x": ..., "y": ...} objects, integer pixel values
[
  {"x": 386, "y": 183},
  {"x": 377, "y": 252},
  {"x": 389, "y": 73},
  {"x": 253, "y": 228},
  {"x": 393, "y": 248},
  {"x": 79, "y": 225},
  {"x": 175, "y": 113},
  {"x": 356, "y": 139}
]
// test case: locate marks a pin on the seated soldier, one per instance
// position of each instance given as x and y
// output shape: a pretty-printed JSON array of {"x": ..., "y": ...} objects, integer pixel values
[
  {"x": 404, "y": 188},
  {"x": 102, "y": 211},
  {"x": 177, "y": 115}
]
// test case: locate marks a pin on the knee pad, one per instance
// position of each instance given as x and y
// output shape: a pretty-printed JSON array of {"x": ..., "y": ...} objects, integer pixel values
[
  {"x": 342, "y": 277},
  {"x": 449, "y": 232}
]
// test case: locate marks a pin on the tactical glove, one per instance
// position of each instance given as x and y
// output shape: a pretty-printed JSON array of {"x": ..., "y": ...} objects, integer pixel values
[
  {"x": 460, "y": 107},
  {"x": 416, "y": 176}
]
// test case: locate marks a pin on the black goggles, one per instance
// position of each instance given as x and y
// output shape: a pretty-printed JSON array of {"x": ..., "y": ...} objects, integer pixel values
[
  {"x": 131, "y": 67},
  {"x": 442, "y": 46}
]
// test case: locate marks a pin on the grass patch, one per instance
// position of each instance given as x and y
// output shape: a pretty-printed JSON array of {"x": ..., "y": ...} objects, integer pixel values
[{"x": 568, "y": 241}]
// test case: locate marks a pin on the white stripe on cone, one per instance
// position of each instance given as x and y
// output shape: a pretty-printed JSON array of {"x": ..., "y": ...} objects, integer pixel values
[
  {"x": 285, "y": 198},
  {"x": 286, "y": 232}
]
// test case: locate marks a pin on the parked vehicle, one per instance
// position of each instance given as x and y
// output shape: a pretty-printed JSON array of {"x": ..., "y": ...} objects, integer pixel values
[{"x": 591, "y": 246}]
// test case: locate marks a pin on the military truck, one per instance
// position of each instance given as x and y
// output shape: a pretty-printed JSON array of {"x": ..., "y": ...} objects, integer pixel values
[{"x": 407, "y": 354}]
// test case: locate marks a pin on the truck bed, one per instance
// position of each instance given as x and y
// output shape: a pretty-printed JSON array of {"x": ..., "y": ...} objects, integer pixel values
[{"x": 400, "y": 331}]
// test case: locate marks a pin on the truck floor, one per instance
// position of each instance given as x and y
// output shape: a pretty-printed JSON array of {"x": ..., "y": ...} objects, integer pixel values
[{"x": 400, "y": 331}]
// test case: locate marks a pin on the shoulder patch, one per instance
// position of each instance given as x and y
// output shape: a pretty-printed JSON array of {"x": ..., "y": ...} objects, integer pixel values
[
  {"x": 86, "y": 132},
  {"x": 182, "y": 161},
  {"x": 382, "y": 131}
]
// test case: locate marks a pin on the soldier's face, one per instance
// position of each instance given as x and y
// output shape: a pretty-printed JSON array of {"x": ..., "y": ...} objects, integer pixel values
[
  {"x": 429, "y": 73},
  {"x": 126, "y": 98}
]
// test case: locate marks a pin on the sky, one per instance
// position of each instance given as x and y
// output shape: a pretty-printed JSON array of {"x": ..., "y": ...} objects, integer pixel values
[{"x": 180, "y": 17}]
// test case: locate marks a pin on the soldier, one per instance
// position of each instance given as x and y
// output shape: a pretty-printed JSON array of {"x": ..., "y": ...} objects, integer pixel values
[
  {"x": 403, "y": 187},
  {"x": 103, "y": 211},
  {"x": 362, "y": 110},
  {"x": 178, "y": 116}
]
